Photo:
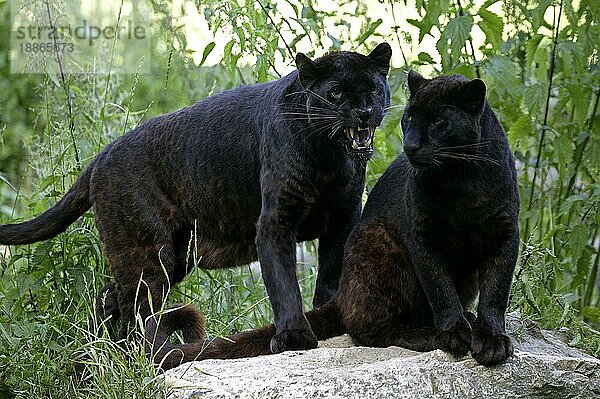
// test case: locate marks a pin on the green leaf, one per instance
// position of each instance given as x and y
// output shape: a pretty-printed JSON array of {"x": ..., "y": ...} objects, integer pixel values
[
  {"x": 434, "y": 9},
  {"x": 426, "y": 58},
  {"x": 578, "y": 239},
  {"x": 519, "y": 133},
  {"x": 227, "y": 50},
  {"x": 584, "y": 259},
  {"x": 464, "y": 69},
  {"x": 369, "y": 32},
  {"x": 535, "y": 97},
  {"x": 335, "y": 43},
  {"x": 531, "y": 49},
  {"x": 208, "y": 13},
  {"x": 569, "y": 203},
  {"x": 207, "y": 50},
  {"x": 563, "y": 148},
  {"x": 297, "y": 39},
  {"x": 492, "y": 25},
  {"x": 417, "y": 23},
  {"x": 537, "y": 13},
  {"x": 591, "y": 313},
  {"x": 489, "y": 3},
  {"x": 580, "y": 96},
  {"x": 500, "y": 75},
  {"x": 457, "y": 32},
  {"x": 571, "y": 55},
  {"x": 308, "y": 12}
]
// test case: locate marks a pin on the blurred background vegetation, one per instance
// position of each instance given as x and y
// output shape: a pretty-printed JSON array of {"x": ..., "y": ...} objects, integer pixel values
[{"x": 540, "y": 62}]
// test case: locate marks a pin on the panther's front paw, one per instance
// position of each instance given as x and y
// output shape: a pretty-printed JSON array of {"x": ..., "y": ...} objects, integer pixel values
[
  {"x": 456, "y": 338},
  {"x": 490, "y": 347},
  {"x": 296, "y": 339}
]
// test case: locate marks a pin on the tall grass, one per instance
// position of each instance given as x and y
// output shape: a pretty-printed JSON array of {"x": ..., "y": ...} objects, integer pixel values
[{"x": 539, "y": 59}]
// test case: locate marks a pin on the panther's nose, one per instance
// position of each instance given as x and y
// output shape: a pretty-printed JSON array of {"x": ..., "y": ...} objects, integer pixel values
[
  {"x": 411, "y": 148},
  {"x": 412, "y": 142},
  {"x": 364, "y": 114}
]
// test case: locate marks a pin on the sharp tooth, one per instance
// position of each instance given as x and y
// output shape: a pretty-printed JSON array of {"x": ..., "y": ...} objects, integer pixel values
[
  {"x": 349, "y": 133},
  {"x": 368, "y": 143},
  {"x": 354, "y": 145}
]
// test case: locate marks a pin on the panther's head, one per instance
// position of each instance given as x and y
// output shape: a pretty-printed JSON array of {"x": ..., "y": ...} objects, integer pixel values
[
  {"x": 346, "y": 97},
  {"x": 442, "y": 122}
]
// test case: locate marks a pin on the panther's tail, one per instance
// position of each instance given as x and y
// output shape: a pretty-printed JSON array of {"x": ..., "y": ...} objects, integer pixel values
[
  {"x": 326, "y": 322},
  {"x": 55, "y": 220}
]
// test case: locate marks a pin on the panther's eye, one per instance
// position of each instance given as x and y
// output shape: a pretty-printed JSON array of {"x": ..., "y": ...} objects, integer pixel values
[
  {"x": 407, "y": 117},
  {"x": 336, "y": 93},
  {"x": 376, "y": 90}
]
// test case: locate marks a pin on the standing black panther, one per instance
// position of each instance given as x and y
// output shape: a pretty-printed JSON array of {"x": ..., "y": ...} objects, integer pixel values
[{"x": 250, "y": 172}]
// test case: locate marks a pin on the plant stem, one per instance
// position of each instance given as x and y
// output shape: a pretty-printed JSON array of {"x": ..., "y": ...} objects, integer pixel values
[
  {"x": 391, "y": 3},
  {"x": 591, "y": 283},
  {"x": 579, "y": 150},
  {"x": 167, "y": 73},
  {"x": 66, "y": 89},
  {"x": 546, "y": 113},
  {"x": 470, "y": 42},
  {"x": 109, "y": 74},
  {"x": 278, "y": 31},
  {"x": 475, "y": 63}
]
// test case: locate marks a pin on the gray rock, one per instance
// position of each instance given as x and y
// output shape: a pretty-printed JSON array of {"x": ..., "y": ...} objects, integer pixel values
[{"x": 542, "y": 367}]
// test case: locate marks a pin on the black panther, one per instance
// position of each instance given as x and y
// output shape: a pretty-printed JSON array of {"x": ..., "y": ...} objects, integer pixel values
[{"x": 242, "y": 175}]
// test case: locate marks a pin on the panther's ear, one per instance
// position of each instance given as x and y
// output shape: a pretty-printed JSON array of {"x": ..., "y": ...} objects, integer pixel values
[
  {"x": 307, "y": 69},
  {"x": 415, "y": 81},
  {"x": 381, "y": 56},
  {"x": 472, "y": 95}
]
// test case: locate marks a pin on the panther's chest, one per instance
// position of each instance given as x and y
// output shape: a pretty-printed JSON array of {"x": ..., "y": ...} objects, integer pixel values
[
  {"x": 465, "y": 239},
  {"x": 312, "y": 221}
]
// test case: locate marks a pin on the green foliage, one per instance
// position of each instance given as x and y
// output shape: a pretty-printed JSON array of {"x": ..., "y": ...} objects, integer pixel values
[{"x": 539, "y": 60}]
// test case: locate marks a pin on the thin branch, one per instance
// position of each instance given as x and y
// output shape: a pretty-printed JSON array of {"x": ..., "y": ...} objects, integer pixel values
[
  {"x": 581, "y": 148},
  {"x": 112, "y": 55},
  {"x": 273, "y": 66},
  {"x": 475, "y": 62},
  {"x": 589, "y": 291},
  {"x": 396, "y": 27},
  {"x": 546, "y": 112},
  {"x": 66, "y": 89},
  {"x": 167, "y": 74},
  {"x": 470, "y": 41},
  {"x": 275, "y": 26}
]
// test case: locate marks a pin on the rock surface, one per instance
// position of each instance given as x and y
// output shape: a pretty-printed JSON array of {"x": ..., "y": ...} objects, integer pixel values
[{"x": 542, "y": 367}]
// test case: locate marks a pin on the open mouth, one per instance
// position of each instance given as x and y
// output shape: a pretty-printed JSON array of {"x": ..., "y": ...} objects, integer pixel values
[{"x": 360, "y": 139}]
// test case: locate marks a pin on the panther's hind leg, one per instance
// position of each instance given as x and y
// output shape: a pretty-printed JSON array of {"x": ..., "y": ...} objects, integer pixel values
[
  {"x": 143, "y": 274},
  {"x": 142, "y": 291},
  {"x": 381, "y": 300}
]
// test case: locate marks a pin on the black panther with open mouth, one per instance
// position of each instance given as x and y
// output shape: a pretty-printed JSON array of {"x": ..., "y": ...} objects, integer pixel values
[
  {"x": 240, "y": 176},
  {"x": 347, "y": 96}
]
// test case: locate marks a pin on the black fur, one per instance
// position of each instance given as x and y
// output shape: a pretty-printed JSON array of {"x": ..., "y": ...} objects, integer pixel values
[
  {"x": 443, "y": 223},
  {"x": 251, "y": 171},
  {"x": 439, "y": 227}
]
